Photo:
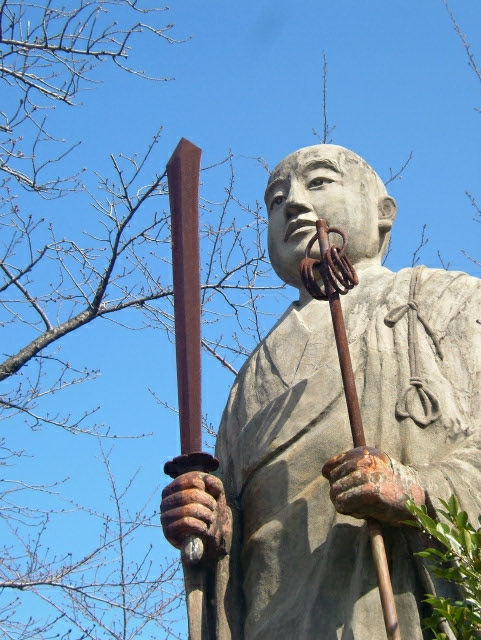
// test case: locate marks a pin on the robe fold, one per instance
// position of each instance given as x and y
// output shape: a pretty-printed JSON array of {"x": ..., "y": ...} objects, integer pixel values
[{"x": 298, "y": 569}]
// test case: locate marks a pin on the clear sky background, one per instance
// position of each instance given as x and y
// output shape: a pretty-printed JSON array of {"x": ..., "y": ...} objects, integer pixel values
[{"x": 249, "y": 79}]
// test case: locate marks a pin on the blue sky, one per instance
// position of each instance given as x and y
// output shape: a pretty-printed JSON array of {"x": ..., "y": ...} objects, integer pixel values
[{"x": 249, "y": 79}]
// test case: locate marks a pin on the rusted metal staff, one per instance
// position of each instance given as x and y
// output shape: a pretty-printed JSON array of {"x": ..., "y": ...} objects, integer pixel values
[
  {"x": 339, "y": 277},
  {"x": 183, "y": 171}
]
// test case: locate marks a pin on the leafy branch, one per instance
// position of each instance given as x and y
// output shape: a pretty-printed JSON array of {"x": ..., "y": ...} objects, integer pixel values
[{"x": 456, "y": 557}]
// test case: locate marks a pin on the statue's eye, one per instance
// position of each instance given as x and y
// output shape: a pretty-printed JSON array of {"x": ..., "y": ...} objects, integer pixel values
[
  {"x": 277, "y": 201},
  {"x": 318, "y": 182}
]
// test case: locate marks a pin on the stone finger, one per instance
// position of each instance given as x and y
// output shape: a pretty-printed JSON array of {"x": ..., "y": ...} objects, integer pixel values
[
  {"x": 332, "y": 463},
  {"x": 191, "y": 480},
  {"x": 367, "y": 460},
  {"x": 345, "y": 483},
  {"x": 188, "y": 496},
  {"x": 177, "y": 531},
  {"x": 213, "y": 485},
  {"x": 346, "y": 468},
  {"x": 186, "y": 512}
]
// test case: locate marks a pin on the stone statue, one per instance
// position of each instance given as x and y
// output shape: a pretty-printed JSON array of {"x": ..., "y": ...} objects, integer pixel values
[{"x": 293, "y": 555}]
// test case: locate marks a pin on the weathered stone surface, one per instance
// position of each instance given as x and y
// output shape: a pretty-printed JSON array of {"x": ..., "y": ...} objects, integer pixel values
[{"x": 298, "y": 569}]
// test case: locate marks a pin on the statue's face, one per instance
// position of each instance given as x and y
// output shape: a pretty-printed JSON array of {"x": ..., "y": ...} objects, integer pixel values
[{"x": 324, "y": 181}]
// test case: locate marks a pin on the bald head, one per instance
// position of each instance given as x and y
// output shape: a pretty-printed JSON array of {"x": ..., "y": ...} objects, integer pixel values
[{"x": 330, "y": 182}]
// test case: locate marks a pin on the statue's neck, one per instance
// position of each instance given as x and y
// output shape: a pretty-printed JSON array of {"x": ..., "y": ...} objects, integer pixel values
[{"x": 361, "y": 267}]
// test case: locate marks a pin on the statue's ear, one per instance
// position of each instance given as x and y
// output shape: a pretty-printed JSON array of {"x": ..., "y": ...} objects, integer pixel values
[{"x": 387, "y": 212}]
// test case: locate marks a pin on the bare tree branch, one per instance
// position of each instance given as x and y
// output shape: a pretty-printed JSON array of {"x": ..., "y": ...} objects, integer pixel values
[
  {"x": 325, "y": 138},
  {"x": 87, "y": 589},
  {"x": 398, "y": 174},
  {"x": 467, "y": 47},
  {"x": 472, "y": 199},
  {"x": 47, "y": 55},
  {"x": 445, "y": 265},
  {"x": 422, "y": 243}
]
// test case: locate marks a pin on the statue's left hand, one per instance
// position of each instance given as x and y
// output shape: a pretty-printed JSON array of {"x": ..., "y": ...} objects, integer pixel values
[{"x": 366, "y": 483}]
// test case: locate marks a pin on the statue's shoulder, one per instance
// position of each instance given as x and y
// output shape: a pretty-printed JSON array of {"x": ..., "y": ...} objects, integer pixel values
[
  {"x": 443, "y": 296},
  {"x": 437, "y": 280},
  {"x": 441, "y": 282}
]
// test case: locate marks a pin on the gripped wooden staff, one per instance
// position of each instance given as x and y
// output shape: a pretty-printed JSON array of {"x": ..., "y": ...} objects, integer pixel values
[
  {"x": 183, "y": 171},
  {"x": 339, "y": 277}
]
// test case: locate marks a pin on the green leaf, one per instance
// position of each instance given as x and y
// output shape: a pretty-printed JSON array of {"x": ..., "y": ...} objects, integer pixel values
[
  {"x": 453, "y": 505},
  {"x": 455, "y": 536},
  {"x": 467, "y": 541},
  {"x": 442, "y": 527},
  {"x": 462, "y": 519},
  {"x": 427, "y": 553},
  {"x": 435, "y": 601},
  {"x": 428, "y": 524}
]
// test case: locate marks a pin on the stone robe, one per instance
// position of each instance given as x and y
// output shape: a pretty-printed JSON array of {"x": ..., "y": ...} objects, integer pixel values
[{"x": 298, "y": 569}]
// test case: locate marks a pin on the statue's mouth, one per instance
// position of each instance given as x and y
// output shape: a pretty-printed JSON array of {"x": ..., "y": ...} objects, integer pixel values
[{"x": 298, "y": 223}]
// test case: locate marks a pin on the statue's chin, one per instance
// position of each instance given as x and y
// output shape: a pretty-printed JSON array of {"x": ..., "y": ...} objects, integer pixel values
[
  {"x": 291, "y": 276},
  {"x": 286, "y": 261}
]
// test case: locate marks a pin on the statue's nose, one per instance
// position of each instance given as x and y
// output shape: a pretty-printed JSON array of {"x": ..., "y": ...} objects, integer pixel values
[
  {"x": 296, "y": 201},
  {"x": 296, "y": 206}
]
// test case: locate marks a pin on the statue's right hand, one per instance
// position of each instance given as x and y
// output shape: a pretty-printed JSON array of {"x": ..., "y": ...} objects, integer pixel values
[{"x": 194, "y": 504}]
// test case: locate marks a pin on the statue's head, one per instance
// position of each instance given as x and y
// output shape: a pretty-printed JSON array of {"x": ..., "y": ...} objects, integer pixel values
[{"x": 330, "y": 182}]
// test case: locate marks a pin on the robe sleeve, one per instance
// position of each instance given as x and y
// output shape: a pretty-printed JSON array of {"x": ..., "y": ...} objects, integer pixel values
[{"x": 457, "y": 467}]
